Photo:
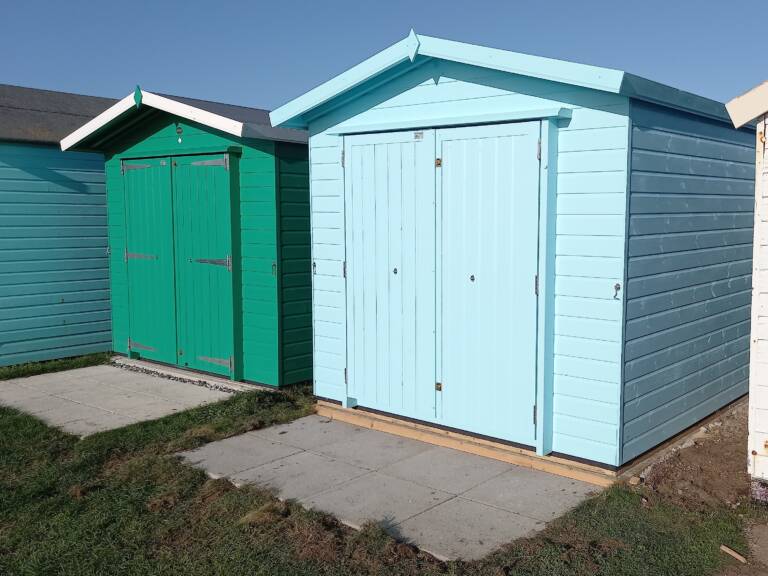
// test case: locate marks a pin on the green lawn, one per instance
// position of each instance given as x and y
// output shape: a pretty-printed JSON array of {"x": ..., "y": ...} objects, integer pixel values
[{"x": 119, "y": 502}]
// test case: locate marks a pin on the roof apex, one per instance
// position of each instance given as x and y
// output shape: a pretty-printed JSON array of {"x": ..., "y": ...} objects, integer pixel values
[{"x": 584, "y": 75}]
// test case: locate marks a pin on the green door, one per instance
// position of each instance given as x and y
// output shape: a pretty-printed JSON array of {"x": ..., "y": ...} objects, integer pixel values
[
  {"x": 149, "y": 259},
  {"x": 204, "y": 298}
]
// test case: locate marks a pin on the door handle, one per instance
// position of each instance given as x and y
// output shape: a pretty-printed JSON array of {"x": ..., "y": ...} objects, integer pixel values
[{"x": 274, "y": 268}]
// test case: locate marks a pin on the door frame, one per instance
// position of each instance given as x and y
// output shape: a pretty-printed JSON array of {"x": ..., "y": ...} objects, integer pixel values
[{"x": 544, "y": 373}]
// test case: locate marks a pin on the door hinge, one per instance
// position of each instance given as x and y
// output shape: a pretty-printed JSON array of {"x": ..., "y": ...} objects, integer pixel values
[
  {"x": 344, "y": 268},
  {"x": 534, "y": 414},
  {"x": 536, "y": 284},
  {"x": 342, "y": 158},
  {"x": 109, "y": 251},
  {"x": 439, "y": 386},
  {"x": 538, "y": 149},
  {"x": 438, "y": 162},
  {"x": 346, "y": 376}
]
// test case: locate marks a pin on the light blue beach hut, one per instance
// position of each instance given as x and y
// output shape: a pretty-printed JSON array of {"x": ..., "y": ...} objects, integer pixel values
[{"x": 539, "y": 252}]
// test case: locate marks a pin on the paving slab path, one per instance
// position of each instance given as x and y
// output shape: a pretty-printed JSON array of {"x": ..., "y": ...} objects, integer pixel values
[
  {"x": 448, "y": 503},
  {"x": 88, "y": 400}
]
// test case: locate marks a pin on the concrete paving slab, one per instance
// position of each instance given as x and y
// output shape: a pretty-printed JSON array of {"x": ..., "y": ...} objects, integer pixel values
[
  {"x": 531, "y": 493},
  {"x": 445, "y": 469},
  {"x": 310, "y": 432},
  {"x": 236, "y": 454},
  {"x": 371, "y": 449},
  {"x": 11, "y": 393},
  {"x": 300, "y": 475},
  {"x": 69, "y": 412},
  {"x": 447, "y": 502},
  {"x": 99, "y": 423},
  {"x": 460, "y": 528},
  {"x": 87, "y": 400},
  {"x": 377, "y": 497}
]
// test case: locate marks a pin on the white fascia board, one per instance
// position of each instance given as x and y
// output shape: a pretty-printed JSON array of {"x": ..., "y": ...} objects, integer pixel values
[
  {"x": 160, "y": 103},
  {"x": 384, "y": 60},
  {"x": 597, "y": 78},
  {"x": 745, "y": 108},
  {"x": 193, "y": 114},
  {"x": 98, "y": 122}
]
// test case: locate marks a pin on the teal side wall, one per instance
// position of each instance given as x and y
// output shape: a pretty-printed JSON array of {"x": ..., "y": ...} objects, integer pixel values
[
  {"x": 689, "y": 265},
  {"x": 588, "y": 236},
  {"x": 295, "y": 271},
  {"x": 259, "y": 227},
  {"x": 54, "y": 288}
]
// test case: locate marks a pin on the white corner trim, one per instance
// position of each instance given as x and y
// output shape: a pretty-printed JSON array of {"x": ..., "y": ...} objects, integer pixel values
[
  {"x": 160, "y": 103},
  {"x": 96, "y": 123}
]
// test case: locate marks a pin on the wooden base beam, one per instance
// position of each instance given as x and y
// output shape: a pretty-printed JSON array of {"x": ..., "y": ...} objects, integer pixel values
[{"x": 470, "y": 444}]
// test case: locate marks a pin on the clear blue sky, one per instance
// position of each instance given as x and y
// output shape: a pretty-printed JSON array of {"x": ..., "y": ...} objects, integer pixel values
[{"x": 265, "y": 53}]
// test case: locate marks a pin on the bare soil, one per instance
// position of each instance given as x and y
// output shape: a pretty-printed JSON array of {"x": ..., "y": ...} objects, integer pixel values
[{"x": 711, "y": 470}]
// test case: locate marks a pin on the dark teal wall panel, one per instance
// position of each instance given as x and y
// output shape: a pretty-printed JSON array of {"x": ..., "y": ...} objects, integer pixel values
[
  {"x": 686, "y": 348},
  {"x": 54, "y": 287}
]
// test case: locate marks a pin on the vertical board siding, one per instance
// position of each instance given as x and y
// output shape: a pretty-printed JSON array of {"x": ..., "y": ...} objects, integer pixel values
[
  {"x": 688, "y": 273},
  {"x": 591, "y": 227},
  {"x": 54, "y": 288},
  {"x": 295, "y": 258},
  {"x": 258, "y": 190}
]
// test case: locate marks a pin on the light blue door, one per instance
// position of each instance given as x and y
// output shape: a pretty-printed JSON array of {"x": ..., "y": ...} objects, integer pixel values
[
  {"x": 390, "y": 239},
  {"x": 488, "y": 196}
]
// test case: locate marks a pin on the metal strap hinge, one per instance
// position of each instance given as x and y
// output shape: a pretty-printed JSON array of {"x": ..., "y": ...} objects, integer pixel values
[
  {"x": 342, "y": 158},
  {"x": 223, "y": 161},
  {"x": 344, "y": 268},
  {"x": 536, "y": 285},
  {"x": 125, "y": 167},
  {"x": 346, "y": 376},
  {"x": 538, "y": 150},
  {"x": 534, "y": 414}
]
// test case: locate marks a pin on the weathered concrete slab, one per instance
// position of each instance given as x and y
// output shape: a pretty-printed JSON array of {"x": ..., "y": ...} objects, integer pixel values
[
  {"x": 97, "y": 398},
  {"x": 462, "y": 528},
  {"x": 370, "y": 449},
  {"x": 378, "y": 497},
  {"x": 531, "y": 493},
  {"x": 445, "y": 469},
  {"x": 236, "y": 454},
  {"x": 289, "y": 475},
  {"x": 452, "y": 504}
]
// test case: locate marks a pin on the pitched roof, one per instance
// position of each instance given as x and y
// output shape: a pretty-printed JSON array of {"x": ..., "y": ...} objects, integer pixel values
[
  {"x": 603, "y": 79},
  {"x": 240, "y": 121},
  {"x": 44, "y": 116},
  {"x": 748, "y": 106}
]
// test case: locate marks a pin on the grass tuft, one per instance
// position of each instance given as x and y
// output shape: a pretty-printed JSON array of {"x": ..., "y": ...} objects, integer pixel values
[
  {"x": 121, "y": 502},
  {"x": 35, "y": 368}
]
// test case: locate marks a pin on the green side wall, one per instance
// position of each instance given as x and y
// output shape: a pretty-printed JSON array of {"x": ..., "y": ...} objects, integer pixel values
[
  {"x": 295, "y": 255},
  {"x": 260, "y": 168}
]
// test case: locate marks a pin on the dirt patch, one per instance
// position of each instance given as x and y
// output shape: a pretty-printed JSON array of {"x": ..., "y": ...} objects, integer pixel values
[{"x": 711, "y": 470}]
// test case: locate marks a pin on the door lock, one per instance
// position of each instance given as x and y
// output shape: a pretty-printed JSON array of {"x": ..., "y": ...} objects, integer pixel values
[
  {"x": 394, "y": 271},
  {"x": 472, "y": 278}
]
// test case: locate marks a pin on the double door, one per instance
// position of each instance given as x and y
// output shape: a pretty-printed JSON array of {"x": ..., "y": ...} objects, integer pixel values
[
  {"x": 178, "y": 213},
  {"x": 442, "y": 258}
]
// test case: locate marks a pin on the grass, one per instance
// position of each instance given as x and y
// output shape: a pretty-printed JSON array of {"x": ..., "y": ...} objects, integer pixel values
[
  {"x": 35, "y": 368},
  {"x": 119, "y": 502}
]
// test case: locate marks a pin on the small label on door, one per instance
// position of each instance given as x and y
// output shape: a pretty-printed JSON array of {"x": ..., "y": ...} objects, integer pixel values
[{"x": 418, "y": 135}]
